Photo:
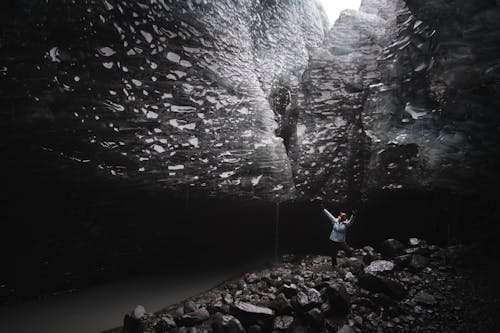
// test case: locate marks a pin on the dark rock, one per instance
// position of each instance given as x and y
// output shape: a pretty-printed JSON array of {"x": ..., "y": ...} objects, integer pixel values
[
  {"x": 418, "y": 263},
  {"x": 289, "y": 290},
  {"x": 227, "y": 324},
  {"x": 368, "y": 254},
  {"x": 283, "y": 322},
  {"x": 281, "y": 305},
  {"x": 423, "y": 297},
  {"x": 402, "y": 261},
  {"x": 251, "y": 278},
  {"x": 354, "y": 265},
  {"x": 379, "y": 266},
  {"x": 165, "y": 323},
  {"x": 254, "y": 329},
  {"x": 339, "y": 298},
  {"x": 391, "y": 248},
  {"x": 315, "y": 318},
  {"x": 131, "y": 324},
  {"x": 390, "y": 305},
  {"x": 193, "y": 318},
  {"x": 363, "y": 301},
  {"x": 190, "y": 306},
  {"x": 377, "y": 283},
  {"x": 250, "y": 314}
]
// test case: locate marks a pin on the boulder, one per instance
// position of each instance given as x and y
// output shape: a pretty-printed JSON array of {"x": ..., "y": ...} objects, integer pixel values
[
  {"x": 415, "y": 241},
  {"x": 283, "y": 322},
  {"x": 379, "y": 266},
  {"x": 281, "y": 305},
  {"x": 193, "y": 318},
  {"x": 377, "y": 283},
  {"x": 164, "y": 324},
  {"x": 425, "y": 298},
  {"x": 289, "y": 290},
  {"x": 338, "y": 297},
  {"x": 131, "y": 324},
  {"x": 315, "y": 318},
  {"x": 402, "y": 261},
  {"x": 391, "y": 248},
  {"x": 418, "y": 263},
  {"x": 250, "y": 314},
  {"x": 190, "y": 306},
  {"x": 227, "y": 324}
]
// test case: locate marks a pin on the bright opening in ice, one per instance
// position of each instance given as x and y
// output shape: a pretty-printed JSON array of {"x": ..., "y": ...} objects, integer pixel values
[{"x": 334, "y": 7}]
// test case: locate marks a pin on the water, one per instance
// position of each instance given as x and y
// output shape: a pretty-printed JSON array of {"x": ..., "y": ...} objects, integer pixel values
[{"x": 102, "y": 307}]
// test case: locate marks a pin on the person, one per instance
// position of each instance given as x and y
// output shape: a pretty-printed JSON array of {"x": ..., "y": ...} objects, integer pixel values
[{"x": 338, "y": 235}]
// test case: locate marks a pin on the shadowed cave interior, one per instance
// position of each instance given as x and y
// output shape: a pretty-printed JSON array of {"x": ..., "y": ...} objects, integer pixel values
[{"x": 147, "y": 136}]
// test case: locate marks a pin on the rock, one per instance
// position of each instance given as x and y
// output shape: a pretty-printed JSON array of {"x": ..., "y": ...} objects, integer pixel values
[
  {"x": 227, "y": 324},
  {"x": 250, "y": 314},
  {"x": 131, "y": 324},
  {"x": 377, "y": 283},
  {"x": 193, "y": 318},
  {"x": 281, "y": 305},
  {"x": 402, "y": 261},
  {"x": 314, "y": 296},
  {"x": 391, "y": 248},
  {"x": 254, "y": 329},
  {"x": 418, "y": 263},
  {"x": 251, "y": 278},
  {"x": 415, "y": 241},
  {"x": 234, "y": 326},
  {"x": 190, "y": 306},
  {"x": 315, "y": 318},
  {"x": 283, "y": 322},
  {"x": 139, "y": 312},
  {"x": 379, "y": 266},
  {"x": 289, "y": 290},
  {"x": 338, "y": 297},
  {"x": 354, "y": 265},
  {"x": 368, "y": 254},
  {"x": 425, "y": 298},
  {"x": 164, "y": 324},
  {"x": 346, "y": 329}
]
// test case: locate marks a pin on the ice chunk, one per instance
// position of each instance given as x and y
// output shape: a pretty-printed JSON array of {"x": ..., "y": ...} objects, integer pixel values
[
  {"x": 174, "y": 57},
  {"x": 108, "y": 5},
  {"x": 185, "y": 63},
  {"x": 106, "y": 51},
  {"x": 137, "y": 83},
  {"x": 147, "y": 36},
  {"x": 182, "y": 109},
  {"x": 54, "y": 54},
  {"x": 256, "y": 180},
  {"x": 227, "y": 174},
  {"x": 176, "y": 167},
  {"x": 158, "y": 148},
  {"x": 108, "y": 65},
  {"x": 415, "y": 112},
  {"x": 194, "y": 142}
]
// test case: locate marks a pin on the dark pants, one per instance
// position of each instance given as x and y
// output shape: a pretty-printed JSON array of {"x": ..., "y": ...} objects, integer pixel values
[{"x": 336, "y": 246}]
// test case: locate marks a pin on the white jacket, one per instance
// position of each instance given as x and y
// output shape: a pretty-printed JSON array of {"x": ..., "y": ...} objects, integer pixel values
[{"x": 339, "y": 228}]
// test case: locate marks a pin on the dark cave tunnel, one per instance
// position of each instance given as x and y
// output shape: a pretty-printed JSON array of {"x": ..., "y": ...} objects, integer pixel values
[{"x": 143, "y": 137}]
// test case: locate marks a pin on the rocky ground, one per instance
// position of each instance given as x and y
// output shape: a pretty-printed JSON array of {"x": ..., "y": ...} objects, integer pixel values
[{"x": 405, "y": 288}]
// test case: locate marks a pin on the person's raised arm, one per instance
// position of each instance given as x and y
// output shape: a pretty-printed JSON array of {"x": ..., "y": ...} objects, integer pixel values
[
  {"x": 351, "y": 220},
  {"x": 330, "y": 216}
]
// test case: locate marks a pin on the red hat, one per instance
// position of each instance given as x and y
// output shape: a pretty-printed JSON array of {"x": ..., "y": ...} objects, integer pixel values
[{"x": 342, "y": 217}]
